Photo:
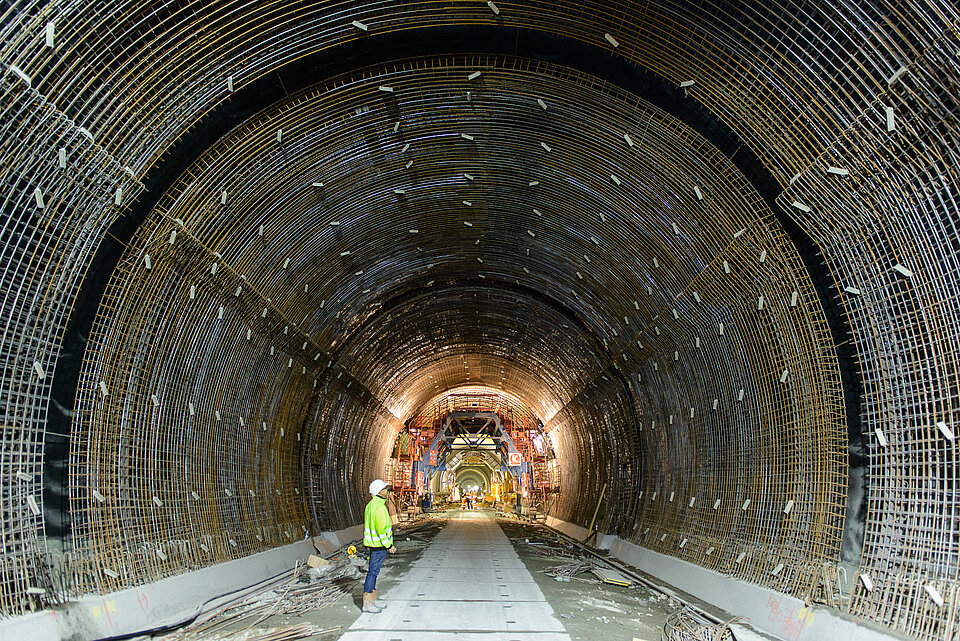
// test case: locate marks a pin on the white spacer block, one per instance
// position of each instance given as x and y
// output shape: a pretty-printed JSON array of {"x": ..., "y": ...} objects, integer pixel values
[
  {"x": 688, "y": 83},
  {"x": 799, "y": 205},
  {"x": 740, "y": 395},
  {"x": 62, "y": 157},
  {"x": 896, "y": 75},
  {"x": 903, "y": 271},
  {"x": 466, "y": 136},
  {"x": 616, "y": 181},
  {"x": 493, "y": 7},
  {"x": 880, "y": 437},
  {"x": 760, "y": 303},
  {"x": 230, "y": 84},
  {"x": 716, "y": 504},
  {"x": 794, "y": 298},
  {"x": 38, "y": 368},
  {"x": 777, "y": 570},
  {"x": 156, "y": 499},
  {"x": 934, "y": 594},
  {"x": 867, "y": 582},
  {"x": 693, "y": 500},
  {"x": 545, "y": 146},
  {"x": 49, "y": 34},
  {"x": 385, "y": 88},
  {"x": 360, "y": 25},
  {"x": 110, "y": 573},
  {"x": 32, "y": 504},
  {"x": 945, "y": 430},
  {"x": 852, "y": 290},
  {"x": 103, "y": 388},
  {"x": 628, "y": 140},
  {"x": 745, "y": 505},
  {"x": 474, "y": 75},
  {"x": 17, "y": 71},
  {"x": 784, "y": 375},
  {"x": 542, "y": 104},
  {"x": 697, "y": 191},
  {"x": 891, "y": 120},
  {"x": 38, "y": 197},
  {"x": 837, "y": 171},
  {"x": 611, "y": 40},
  {"x": 742, "y": 556},
  {"x": 146, "y": 261},
  {"x": 788, "y": 507},
  {"x": 99, "y": 497}
]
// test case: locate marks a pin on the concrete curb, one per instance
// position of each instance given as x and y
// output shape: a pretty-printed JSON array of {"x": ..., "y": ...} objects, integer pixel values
[{"x": 167, "y": 602}]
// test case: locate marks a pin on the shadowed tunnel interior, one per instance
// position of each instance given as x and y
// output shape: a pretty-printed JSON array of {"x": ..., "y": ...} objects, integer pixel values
[{"x": 711, "y": 246}]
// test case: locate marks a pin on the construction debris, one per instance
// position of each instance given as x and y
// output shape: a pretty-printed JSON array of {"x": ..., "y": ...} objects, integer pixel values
[
  {"x": 688, "y": 624},
  {"x": 311, "y": 588}
]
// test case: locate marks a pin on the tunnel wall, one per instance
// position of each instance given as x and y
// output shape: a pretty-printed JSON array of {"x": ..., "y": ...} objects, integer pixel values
[{"x": 808, "y": 91}]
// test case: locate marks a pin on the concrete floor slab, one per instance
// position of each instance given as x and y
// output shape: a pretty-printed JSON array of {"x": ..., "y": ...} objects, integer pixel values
[
  {"x": 481, "y": 575},
  {"x": 420, "y": 635},
  {"x": 500, "y": 615},
  {"x": 465, "y": 591},
  {"x": 469, "y": 579}
]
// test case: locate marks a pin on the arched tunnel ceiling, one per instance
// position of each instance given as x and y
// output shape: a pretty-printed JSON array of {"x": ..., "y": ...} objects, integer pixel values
[
  {"x": 229, "y": 400},
  {"x": 441, "y": 222},
  {"x": 343, "y": 198}
]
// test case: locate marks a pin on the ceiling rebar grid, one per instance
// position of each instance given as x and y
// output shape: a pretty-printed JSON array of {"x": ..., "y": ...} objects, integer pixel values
[
  {"x": 804, "y": 85},
  {"x": 565, "y": 292}
]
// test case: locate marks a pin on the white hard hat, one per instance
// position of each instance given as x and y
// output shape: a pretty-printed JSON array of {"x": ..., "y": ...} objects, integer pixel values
[{"x": 377, "y": 486}]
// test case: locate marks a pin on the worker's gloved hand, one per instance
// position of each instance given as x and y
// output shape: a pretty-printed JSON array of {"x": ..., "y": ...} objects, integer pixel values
[{"x": 393, "y": 548}]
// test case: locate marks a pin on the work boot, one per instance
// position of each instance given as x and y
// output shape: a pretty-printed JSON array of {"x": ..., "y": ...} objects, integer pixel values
[
  {"x": 379, "y": 604},
  {"x": 368, "y": 605}
]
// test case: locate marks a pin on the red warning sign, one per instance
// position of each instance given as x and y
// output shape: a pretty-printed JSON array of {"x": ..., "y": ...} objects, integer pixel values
[{"x": 514, "y": 459}]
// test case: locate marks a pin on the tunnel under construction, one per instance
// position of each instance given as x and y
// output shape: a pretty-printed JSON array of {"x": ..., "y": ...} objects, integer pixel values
[{"x": 665, "y": 286}]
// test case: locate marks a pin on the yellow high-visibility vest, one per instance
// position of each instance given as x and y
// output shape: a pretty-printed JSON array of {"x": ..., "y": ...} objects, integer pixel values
[{"x": 377, "y": 526}]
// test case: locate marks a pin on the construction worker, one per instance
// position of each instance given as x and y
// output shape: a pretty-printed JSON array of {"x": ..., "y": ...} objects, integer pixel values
[{"x": 378, "y": 537}]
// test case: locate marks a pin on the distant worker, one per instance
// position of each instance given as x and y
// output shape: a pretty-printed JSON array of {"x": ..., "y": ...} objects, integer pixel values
[{"x": 378, "y": 537}]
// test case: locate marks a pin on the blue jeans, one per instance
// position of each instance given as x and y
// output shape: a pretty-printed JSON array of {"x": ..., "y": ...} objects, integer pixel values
[{"x": 377, "y": 555}]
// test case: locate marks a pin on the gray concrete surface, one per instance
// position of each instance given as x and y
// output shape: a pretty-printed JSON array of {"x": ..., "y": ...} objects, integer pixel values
[{"x": 469, "y": 581}]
